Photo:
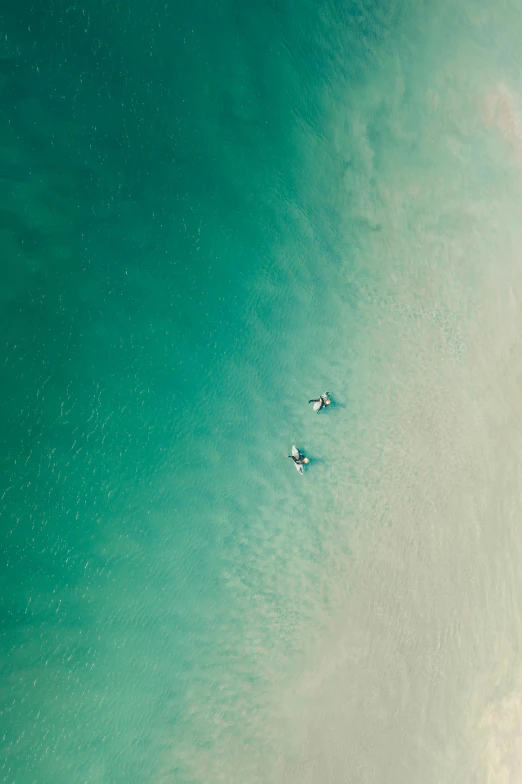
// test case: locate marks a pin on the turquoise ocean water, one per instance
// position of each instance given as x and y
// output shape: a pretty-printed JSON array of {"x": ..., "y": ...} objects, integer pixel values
[{"x": 210, "y": 213}]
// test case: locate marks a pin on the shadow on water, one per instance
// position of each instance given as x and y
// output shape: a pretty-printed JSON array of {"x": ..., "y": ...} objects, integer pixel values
[
  {"x": 312, "y": 458},
  {"x": 317, "y": 461}
]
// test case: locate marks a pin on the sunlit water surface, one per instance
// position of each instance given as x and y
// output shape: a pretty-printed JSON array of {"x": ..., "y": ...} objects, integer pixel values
[{"x": 211, "y": 214}]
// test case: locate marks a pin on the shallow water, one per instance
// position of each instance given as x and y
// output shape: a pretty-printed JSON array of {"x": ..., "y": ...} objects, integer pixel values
[{"x": 210, "y": 215}]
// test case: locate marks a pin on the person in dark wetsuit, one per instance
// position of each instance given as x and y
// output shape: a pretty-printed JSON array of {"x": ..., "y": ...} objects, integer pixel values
[
  {"x": 299, "y": 459},
  {"x": 322, "y": 400}
]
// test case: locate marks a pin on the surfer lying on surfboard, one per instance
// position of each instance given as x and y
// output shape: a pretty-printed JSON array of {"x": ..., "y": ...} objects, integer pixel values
[
  {"x": 321, "y": 402},
  {"x": 298, "y": 458}
]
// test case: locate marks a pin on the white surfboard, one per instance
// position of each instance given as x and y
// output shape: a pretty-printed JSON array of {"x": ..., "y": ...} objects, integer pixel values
[{"x": 296, "y": 453}]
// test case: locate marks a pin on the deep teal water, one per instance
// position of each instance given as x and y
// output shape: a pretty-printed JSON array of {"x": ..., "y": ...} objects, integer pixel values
[{"x": 209, "y": 214}]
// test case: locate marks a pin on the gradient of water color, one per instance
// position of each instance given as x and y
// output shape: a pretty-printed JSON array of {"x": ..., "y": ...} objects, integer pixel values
[{"x": 209, "y": 215}]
